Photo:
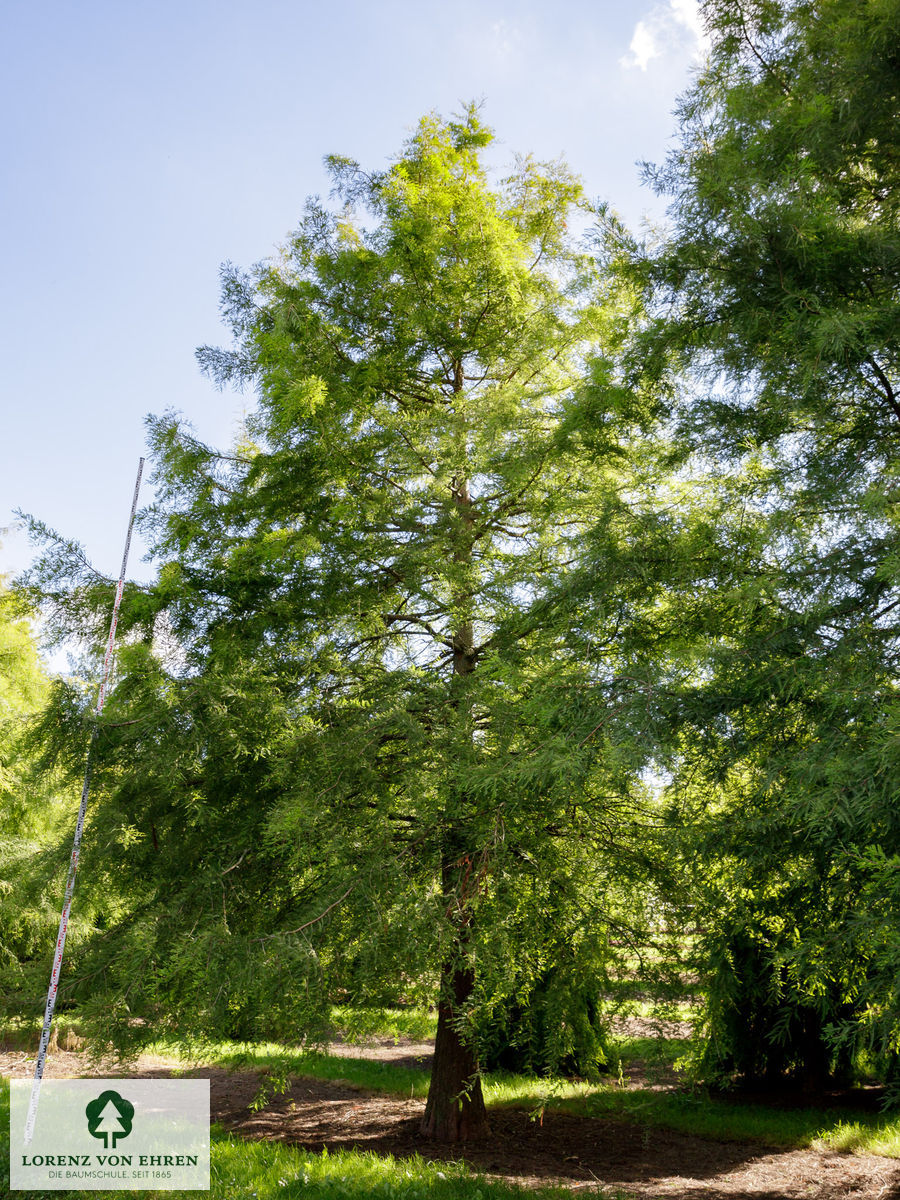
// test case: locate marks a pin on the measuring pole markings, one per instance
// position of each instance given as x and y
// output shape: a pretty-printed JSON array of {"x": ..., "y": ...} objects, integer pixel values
[{"x": 79, "y": 828}]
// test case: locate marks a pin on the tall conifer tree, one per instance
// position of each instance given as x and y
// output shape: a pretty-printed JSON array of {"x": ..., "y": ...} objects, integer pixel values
[
  {"x": 779, "y": 286},
  {"x": 389, "y": 738}
]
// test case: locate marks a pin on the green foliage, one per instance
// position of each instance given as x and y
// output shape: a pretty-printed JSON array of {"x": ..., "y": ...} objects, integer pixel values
[
  {"x": 23, "y": 686},
  {"x": 779, "y": 290},
  {"x": 785, "y": 263},
  {"x": 28, "y": 805},
  {"x": 557, "y": 1023},
  {"x": 368, "y": 733}
]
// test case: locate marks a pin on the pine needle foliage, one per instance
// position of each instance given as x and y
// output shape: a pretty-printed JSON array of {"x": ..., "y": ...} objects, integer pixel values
[
  {"x": 779, "y": 289},
  {"x": 368, "y": 742},
  {"x": 27, "y": 805}
]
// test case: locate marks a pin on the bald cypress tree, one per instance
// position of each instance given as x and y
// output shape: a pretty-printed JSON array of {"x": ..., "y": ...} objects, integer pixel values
[
  {"x": 779, "y": 286},
  {"x": 390, "y": 739}
]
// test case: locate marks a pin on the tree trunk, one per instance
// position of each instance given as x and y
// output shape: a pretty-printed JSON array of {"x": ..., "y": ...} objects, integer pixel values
[{"x": 455, "y": 1109}]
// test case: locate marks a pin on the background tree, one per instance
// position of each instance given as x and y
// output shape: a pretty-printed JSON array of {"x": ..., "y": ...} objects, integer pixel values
[
  {"x": 26, "y": 808},
  {"x": 779, "y": 287},
  {"x": 389, "y": 737}
]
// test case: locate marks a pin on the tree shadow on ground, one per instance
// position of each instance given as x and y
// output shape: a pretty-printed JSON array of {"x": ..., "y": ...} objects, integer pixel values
[
  {"x": 572, "y": 1151},
  {"x": 558, "y": 1148}
]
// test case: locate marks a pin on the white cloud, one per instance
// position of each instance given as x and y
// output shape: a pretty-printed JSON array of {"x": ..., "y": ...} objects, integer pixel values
[
  {"x": 687, "y": 13},
  {"x": 644, "y": 46},
  {"x": 667, "y": 28}
]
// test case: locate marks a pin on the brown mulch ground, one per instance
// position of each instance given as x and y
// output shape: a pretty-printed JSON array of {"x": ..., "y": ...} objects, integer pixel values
[{"x": 573, "y": 1151}]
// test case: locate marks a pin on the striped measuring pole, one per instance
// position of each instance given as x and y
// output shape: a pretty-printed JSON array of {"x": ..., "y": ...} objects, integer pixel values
[{"x": 79, "y": 828}]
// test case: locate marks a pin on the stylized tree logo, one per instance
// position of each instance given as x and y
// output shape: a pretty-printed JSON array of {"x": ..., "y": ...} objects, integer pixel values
[{"x": 109, "y": 1116}]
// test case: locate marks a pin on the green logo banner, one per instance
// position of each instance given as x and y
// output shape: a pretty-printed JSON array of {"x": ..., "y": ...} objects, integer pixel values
[{"x": 111, "y": 1134}]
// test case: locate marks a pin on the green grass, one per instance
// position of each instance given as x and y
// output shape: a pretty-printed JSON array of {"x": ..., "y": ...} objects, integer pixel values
[
  {"x": 279, "y": 1060},
  {"x": 656, "y": 1054},
  {"x": 415, "y": 1023},
  {"x": 854, "y": 1137},
  {"x": 683, "y": 1110},
  {"x": 669, "y": 1010},
  {"x": 707, "y": 1116},
  {"x": 242, "y": 1169}
]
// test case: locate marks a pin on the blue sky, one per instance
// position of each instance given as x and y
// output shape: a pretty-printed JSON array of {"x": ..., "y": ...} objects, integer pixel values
[{"x": 146, "y": 143}]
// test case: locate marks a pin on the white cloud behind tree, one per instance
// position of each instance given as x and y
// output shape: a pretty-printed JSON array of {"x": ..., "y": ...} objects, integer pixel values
[{"x": 675, "y": 28}]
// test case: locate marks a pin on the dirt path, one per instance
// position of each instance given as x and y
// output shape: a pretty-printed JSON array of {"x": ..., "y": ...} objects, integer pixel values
[{"x": 573, "y": 1151}]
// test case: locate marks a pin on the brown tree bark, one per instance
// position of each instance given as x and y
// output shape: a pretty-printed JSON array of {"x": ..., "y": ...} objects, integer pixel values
[{"x": 454, "y": 1111}]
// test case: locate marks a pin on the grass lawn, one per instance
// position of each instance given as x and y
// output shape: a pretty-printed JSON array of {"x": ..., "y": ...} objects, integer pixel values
[
  {"x": 683, "y": 1110},
  {"x": 263, "y": 1171},
  {"x": 258, "y": 1170}
]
